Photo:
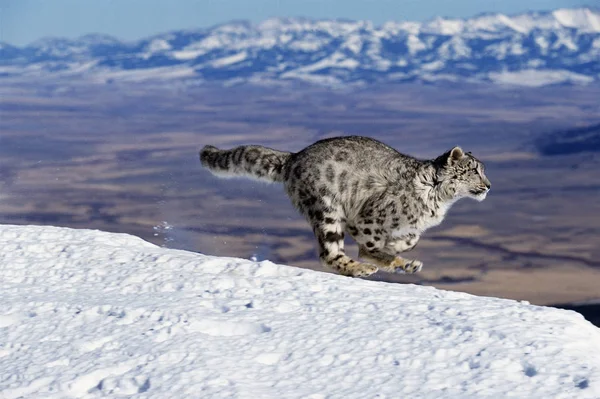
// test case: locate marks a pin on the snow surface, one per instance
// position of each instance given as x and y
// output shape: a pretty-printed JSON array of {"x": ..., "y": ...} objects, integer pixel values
[{"x": 93, "y": 314}]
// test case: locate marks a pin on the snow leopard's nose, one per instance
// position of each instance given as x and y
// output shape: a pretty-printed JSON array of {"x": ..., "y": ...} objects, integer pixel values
[{"x": 486, "y": 182}]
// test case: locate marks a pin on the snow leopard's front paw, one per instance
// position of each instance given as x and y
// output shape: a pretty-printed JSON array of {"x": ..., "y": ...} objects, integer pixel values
[
  {"x": 408, "y": 266},
  {"x": 413, "y": 266}
]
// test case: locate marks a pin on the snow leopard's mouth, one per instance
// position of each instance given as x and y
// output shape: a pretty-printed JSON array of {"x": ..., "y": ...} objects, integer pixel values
[
  {"x": 482, "y": 188},
  {"x": 478, "y": 191},
  {"x": 479, "y": 194}
]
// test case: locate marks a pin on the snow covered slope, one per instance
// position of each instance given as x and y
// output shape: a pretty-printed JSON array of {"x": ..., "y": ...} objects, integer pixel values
[
  {"x": 93, "y": 314},
  {"x": 536, "y": 48}
]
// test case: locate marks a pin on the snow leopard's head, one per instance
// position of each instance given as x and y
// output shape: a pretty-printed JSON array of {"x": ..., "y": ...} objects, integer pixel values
[{"x": 463, "y": 174}]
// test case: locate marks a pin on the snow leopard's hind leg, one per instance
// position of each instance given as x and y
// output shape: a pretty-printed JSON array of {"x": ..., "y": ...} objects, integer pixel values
[
  {"x": 325, "y": 214},
  {"x": 328, "y": 225},
  {"x": 386, "y": 256},
  {"x": 332, "y": 254}
]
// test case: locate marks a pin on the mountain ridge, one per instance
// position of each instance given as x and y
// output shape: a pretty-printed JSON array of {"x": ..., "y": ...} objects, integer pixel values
[{"x": 536, "y": 48}]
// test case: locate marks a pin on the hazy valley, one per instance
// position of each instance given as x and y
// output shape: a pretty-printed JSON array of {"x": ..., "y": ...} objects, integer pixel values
[{"x": 124, "y": 158}]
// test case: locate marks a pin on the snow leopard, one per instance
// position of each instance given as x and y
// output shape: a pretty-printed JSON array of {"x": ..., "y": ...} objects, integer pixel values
[{"x": 359, "y": 186}]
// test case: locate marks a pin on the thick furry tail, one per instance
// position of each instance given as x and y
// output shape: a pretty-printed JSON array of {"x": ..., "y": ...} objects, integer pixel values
[{"x": 248, "y": 160}]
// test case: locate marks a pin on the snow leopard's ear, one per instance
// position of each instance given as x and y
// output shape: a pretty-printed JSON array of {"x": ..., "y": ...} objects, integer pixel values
[
  {"x": 456, "y": 154},
  {"x": 450, "y": 158}
]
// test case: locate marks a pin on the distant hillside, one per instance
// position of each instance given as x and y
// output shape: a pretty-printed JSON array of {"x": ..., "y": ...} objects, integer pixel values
[
  {"x": 532, "y": 49},
  {"x": 573, "y": 141}
]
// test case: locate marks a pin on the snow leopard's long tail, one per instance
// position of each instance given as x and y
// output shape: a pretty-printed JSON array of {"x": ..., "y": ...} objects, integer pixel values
[{"x": 248, "y": 160}]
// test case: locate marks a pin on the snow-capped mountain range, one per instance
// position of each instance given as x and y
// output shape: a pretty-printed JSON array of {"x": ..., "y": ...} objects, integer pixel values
[{"x": 536, "y": 48}]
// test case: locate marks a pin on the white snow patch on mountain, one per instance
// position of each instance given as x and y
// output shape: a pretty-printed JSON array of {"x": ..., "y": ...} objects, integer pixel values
[
  {"x": 443, "y": 26},
  {"x": 393, "y": 28},
  {"x": 432, "y": 66},
  {"x": 335, "y": 60},
  {"x": 89, "y": 314},
  {"x": 533, "y": 77},
  {"x": 188, "y": 54},
  {"x": 495, "y": 22},
  {"x": 454, "y": 48},
  {"x": 542, "y": 43},
  {"x": 581, "y": 18},
  {"x": 154, "y": 74},
  {"x": 415, "y": 45},
  {"x": 229, "y": 60},
  {"x": 158, "y": 45},
  {"x": 307, "y": 43},
  {"x": 506, "y": 48},
  {"x": 353, "y": 43}
]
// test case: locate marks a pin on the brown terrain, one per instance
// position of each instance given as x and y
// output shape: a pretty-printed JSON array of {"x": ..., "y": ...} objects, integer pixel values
[{"x": 125, "y": 159}]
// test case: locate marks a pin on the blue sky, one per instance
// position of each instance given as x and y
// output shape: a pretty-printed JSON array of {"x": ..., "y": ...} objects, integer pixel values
[{"x": 23, "y": 21}]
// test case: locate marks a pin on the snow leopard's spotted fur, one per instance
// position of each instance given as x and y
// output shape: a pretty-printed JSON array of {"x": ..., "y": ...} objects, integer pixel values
[{"x": 384, "y": 199}]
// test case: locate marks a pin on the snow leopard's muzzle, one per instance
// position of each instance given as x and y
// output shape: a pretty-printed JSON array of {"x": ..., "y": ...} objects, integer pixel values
[{"x": 479, "y": 193}]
